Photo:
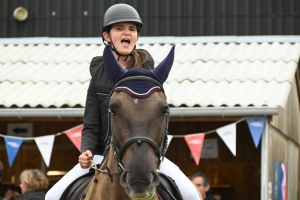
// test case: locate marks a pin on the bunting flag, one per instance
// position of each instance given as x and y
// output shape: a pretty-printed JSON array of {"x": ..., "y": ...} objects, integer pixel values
[
  {"x": 45, "y": 145},
  {"x": 169, "y": 140},
  {"x": 195, "y": 143},
  {"x": 256, "y": 126},
  {"x": 74, "y": 134},
  {"x": 283, "y": 182},
  {"x": 228, "y": 135},
  {"x": 13, "y": 145}
]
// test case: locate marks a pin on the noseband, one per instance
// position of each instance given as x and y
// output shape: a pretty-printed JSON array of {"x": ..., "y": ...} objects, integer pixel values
[{"x": 160, "y": 150}]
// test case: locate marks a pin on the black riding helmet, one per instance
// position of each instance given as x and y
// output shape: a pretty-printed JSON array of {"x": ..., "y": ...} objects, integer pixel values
[{"x": 120, "y": 13}]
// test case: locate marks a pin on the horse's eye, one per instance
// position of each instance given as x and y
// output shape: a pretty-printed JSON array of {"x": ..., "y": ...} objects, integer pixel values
[
  {"x": 113, "y": 110},
  {"x": 165, "y": 111}
]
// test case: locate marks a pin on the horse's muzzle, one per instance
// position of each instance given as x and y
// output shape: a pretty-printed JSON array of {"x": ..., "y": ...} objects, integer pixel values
[{"x": 141, "y": 187}]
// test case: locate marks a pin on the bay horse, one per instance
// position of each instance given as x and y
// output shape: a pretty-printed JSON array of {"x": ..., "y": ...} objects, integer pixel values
[{"x": 138, "y": 120}]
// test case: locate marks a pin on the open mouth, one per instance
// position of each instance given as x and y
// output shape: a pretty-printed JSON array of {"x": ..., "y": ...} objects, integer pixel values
[{"x": 125, "y": 42}]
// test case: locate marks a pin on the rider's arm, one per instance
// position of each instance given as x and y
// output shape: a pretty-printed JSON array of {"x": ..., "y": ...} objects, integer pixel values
[{"x": 91, "y": 120}]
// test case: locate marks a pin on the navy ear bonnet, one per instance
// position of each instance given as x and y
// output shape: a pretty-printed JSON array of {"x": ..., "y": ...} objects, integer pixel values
[{"x": 137, "y": 82}]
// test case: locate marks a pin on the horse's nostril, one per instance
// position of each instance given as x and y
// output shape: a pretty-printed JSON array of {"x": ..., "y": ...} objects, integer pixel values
[
  {"x": 124, "y": 179},
  {"x": 154, "y": 179},
  {"x": 151, "y": 177}
]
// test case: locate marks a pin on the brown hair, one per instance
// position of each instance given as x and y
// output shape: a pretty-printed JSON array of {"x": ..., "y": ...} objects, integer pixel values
[
  {"x": 138, "y": 59},
  {"x": 201, "y": 174},
  {"x": 33, "y": 180}
]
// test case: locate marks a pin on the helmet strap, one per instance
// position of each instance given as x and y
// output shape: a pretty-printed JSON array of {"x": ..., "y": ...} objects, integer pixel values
[{"x": 119, "y": 54}]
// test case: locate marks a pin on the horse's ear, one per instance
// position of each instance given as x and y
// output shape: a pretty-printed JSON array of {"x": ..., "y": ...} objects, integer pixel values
[
  {"x": 163, "y": 69},
  {"x": 111, "y": 65}
]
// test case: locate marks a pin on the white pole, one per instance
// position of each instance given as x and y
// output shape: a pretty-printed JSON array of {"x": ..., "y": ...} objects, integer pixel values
[{"x": 264, "y": 163}]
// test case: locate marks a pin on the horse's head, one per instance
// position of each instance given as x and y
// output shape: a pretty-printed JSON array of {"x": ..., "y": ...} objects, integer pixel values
[{"x": 139, "y": 115}]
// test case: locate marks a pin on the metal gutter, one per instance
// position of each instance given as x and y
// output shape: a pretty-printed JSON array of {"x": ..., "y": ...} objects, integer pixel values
[
  {"x": 41, "y": 112},
  {"x": 174, "y": 112},
  {"x": 223, "y": 111}
]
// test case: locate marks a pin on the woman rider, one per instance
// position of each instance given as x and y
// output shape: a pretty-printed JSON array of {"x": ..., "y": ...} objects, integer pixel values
[{"x": 121, "y": 27}]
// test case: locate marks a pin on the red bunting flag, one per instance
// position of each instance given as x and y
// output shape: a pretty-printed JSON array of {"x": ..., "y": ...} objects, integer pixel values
[
  {"x": 74, "y": 134},
  {"x": 195, "y": 143}
]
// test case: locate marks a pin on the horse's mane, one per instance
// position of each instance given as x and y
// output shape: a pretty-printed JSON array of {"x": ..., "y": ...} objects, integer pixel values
[{"x": 106, "y": 150}]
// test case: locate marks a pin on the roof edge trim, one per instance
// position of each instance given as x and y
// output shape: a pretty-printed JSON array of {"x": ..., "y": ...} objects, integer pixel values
[
  {"x": 223, "y": 111},
  {"x": 174, "y": 112}
]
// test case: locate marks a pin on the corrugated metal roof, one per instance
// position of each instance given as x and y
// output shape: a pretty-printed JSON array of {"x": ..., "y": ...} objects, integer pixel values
[{"x": 203, "y": 74}]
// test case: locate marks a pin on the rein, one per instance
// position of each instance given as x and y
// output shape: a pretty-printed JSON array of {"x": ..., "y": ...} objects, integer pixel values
[{"x": 94, "y": 181}]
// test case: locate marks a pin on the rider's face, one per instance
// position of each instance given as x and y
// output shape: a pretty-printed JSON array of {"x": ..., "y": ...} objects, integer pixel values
[{"x": 124, "y": 37}]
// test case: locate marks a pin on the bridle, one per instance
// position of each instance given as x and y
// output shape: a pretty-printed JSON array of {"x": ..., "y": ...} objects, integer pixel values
[{"x": 160, "y": 150}]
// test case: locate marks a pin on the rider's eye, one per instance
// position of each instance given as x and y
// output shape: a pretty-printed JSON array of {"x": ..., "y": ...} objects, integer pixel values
[{"x": 113, "y": 110}]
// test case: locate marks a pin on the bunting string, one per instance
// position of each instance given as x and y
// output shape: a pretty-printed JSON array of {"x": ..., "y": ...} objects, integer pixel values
[
  {"x": 194, "y": 141},
  {"x": 29, "y": 138},
  {"x": 44, "y": 143},
  {"x": 208, "y": 132},
  {"x": 174, "y": 136}
]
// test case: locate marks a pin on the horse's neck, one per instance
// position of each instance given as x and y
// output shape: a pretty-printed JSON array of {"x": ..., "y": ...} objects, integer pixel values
[{"x": 108, "y": 186}]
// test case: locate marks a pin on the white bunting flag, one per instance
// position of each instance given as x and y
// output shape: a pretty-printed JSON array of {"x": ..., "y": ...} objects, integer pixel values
[
  {"x": 228, "y": 135},
  {"x": 169, "y": 140},
  {"x": 45, "y": 145}
]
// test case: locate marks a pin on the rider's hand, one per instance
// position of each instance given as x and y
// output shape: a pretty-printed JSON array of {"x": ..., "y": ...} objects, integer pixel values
[{"x": 84, "y": 159}]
